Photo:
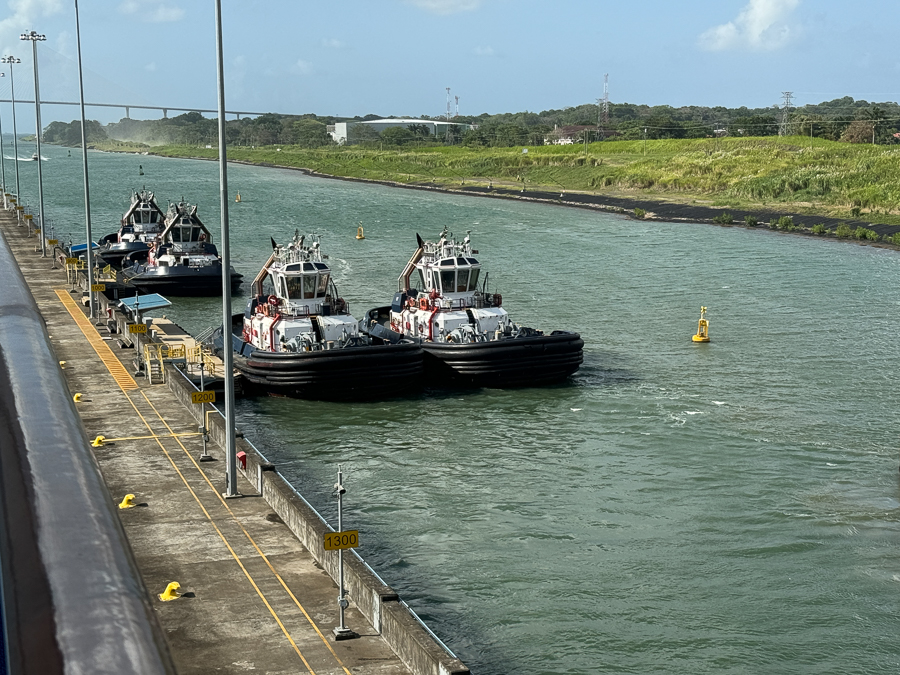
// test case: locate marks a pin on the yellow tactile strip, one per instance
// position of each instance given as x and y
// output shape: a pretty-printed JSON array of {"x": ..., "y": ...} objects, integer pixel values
[{"x": 115, "y": 367}]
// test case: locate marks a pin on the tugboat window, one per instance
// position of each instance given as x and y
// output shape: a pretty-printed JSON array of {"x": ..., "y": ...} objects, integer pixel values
[
  {"x": 473, "y": 279},
  {"x": 462, "y": 280},
  {"x": 435, "y": 280},
  {"x": 448, "y": 279},
  {"x": 422, "y": 283},
  {"x": 323, "y": 286},
  {"x": 294, "y": 288},
  {"x": 309, "y": 287}
]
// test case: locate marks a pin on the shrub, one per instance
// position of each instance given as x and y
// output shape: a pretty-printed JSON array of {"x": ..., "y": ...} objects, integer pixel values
[
  {"x": 751, "y": 221},
  {"x": 855, "y": 211},
  {"x": 724, "y": 218},
  {"x": 786, "y": 223},
  {"x": 639, "y": 213},
  {"x": 773, "y": 224},
  {"x": 895, "y": 238},
  {"x": 819, "y": 229},
  {"x": 843, "y": 231},
  {"x": 864, "y": 233}
]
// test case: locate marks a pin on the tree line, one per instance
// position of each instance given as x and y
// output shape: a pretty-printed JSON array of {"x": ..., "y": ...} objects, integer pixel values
[{"x": 844, "y": 119}]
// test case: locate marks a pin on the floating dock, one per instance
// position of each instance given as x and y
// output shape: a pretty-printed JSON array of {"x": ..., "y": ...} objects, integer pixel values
[{"x": 257, "y": 590}]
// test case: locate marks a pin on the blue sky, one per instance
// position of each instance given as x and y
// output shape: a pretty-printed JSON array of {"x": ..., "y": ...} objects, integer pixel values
[{"x": 396, "y": 57}]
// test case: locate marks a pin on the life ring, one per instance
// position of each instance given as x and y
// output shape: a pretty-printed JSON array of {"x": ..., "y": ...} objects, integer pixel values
[
  {"x": 273, "y": 300},
  {"x": 423, "y": 303},
  {"x": 407, "y": 325}
]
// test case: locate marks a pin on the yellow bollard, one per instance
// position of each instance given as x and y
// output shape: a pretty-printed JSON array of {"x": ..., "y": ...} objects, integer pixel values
[
  {"x": 62, "y": 365},
  {"x": 77, "y": 398},
  {"x": 98, "y": 442},
  {"x": 171, "y": 592},
  {"x": 127, "y": 502}
]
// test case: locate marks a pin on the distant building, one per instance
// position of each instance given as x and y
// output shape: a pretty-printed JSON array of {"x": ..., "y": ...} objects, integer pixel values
[
  {"x": 574, "y": 133},
  {"x": 341, "y": 130}
]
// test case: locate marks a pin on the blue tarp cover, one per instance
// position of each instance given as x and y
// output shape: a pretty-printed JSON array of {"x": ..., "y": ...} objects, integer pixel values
[
  {"x": 144, "y": 302},
  {"x": 79, "y": 248}
]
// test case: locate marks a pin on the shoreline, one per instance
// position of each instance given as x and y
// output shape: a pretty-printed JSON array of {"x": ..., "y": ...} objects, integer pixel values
[{"x": 655, "y": 209}]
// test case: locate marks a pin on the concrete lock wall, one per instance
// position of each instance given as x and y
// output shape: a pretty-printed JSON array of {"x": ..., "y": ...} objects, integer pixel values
[{"x": 410, "y": 639}]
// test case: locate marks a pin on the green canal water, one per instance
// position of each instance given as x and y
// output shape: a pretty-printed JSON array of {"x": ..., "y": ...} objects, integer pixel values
[{"x": 674, "y": 508}]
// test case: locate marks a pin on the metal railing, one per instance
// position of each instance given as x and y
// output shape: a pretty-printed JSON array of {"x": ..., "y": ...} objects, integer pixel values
[{"x": 73, "y": 601}]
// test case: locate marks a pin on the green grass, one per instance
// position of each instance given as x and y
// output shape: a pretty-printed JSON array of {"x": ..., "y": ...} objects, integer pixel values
[{"x": 817, "y": 176}]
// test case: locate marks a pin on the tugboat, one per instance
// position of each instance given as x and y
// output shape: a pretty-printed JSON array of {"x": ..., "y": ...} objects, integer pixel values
[
  {"x": 467, "y": 336},
  {"x": 141, "y": 225},
  {"x": 301, "y": 341},
  {"x": 181, "y": 261}
]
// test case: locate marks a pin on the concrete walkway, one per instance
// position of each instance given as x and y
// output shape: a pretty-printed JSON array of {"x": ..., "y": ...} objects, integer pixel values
[{"x": 253, "y": 599}]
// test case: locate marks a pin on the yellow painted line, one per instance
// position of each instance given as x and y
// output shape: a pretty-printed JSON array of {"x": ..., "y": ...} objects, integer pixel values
[
  {"x": 219, "y": 532},
  {"x": 116, "y": 369},
  {"x": 250, "y": 539},
  {"x": 139, "y": 438}
]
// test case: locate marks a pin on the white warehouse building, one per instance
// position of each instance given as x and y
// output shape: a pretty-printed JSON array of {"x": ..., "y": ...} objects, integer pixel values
[{"x": 339, "y": 132}]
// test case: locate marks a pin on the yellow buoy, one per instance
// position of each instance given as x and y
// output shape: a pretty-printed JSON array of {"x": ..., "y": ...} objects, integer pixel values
[
  {"x": 238, "y": 197},
  {"x": 127, "y": 502},
  {"x": 702, "y": 328},
  {"x": 171, "y": 592},
  {"x": 359, "y": 233}
]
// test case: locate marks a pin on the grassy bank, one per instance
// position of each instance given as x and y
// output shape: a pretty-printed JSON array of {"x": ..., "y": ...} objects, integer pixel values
[{"x": 798, "y": 174}]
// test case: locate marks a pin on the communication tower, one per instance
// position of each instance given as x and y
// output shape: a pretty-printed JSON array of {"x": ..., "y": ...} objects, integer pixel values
[
  {"x": 784, "y": 127},
  {"x": 448, "y": 104},
  {"x": 606, "y": 101},
  {"x": 457, "y": 106}
]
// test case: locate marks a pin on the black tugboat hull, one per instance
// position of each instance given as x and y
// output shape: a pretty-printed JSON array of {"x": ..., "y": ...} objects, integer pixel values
[
  {"x": 114, "y": 254},
  {"x": 532, "y": 361},
  {"x": 350, "y": 374},
  {"x": 180, "y": 281},
  {"x": 515, "y": 362}
]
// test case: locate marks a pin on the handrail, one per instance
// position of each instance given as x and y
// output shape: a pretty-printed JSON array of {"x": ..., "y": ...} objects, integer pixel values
[{"x": 73, "y": 600}]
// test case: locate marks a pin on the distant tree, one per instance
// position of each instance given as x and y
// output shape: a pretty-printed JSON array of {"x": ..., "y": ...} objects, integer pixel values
[
  {"x": 859, "y": 131},
  {"x": 420, "y": 130},
  {"x": 311, "y": 134},
  {"x": 362, "y": 133},
  {"x": 397, "y": 135},
  {"x": 753, "y": 125}
]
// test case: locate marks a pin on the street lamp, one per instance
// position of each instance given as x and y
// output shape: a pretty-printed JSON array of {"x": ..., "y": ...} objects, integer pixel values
[
  {"x": 89, "y": 252},
  {"x": 12, "y": 60},
  {"x": 227, "y": 354},
  {"x": 2, "y": 160},
  {"x": 35, "y": 38}
]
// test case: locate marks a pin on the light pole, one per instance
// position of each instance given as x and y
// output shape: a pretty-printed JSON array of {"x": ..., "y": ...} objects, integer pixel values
[
  {"x": 35, "y": 38},
  {"x": 2, "y": 160},
  {"x": 89, "y": 253},
  {"x": 12, "y": 60},
  {"x": 227, "y": 360}
]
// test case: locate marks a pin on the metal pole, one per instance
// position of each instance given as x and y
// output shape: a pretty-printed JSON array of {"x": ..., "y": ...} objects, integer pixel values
[
  {"x": 87, "y": 192},
  {"x": 35, "y": 38},
  {"x": 2, "y": 160},
  {"x": 12, "y": 60},
  {"x": 227, "y": 360},
  {"x": 341, "y": 632},
  {"x": 204, "y": 456}
]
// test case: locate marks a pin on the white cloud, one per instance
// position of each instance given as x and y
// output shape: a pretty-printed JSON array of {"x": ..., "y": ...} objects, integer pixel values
[
  {"x": 154, "y": 11},
  {"x": 483, "y": 51},
  {"x": 331, "y": 43},
  {"x": 302, "y": 67},
  {"x": 446, "y": 6},
  {"x": 761, "y": 25},
  {"x": 24, "y": 13}
]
